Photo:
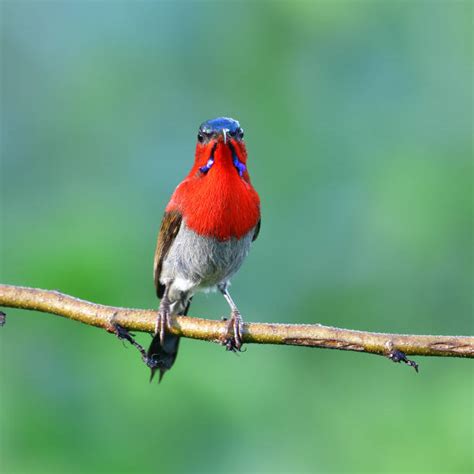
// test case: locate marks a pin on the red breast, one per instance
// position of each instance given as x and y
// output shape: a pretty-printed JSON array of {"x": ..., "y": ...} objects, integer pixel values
[{"x": 219, "y": 203}]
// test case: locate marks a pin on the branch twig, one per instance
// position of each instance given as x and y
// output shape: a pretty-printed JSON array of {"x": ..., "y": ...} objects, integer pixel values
[{"x": 394, "y": 346}]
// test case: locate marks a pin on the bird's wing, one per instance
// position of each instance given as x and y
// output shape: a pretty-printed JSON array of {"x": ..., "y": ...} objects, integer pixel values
[
  {"x": 257, "y": 230},
  {"x": 168, "y": 231}
]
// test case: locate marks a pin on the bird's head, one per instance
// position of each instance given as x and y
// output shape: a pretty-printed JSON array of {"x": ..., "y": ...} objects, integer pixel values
[{"x": 220, "y": 145}]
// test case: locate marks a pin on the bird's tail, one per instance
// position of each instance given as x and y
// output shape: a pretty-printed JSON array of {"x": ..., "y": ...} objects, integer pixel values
[{"x": 162, "y": 356}]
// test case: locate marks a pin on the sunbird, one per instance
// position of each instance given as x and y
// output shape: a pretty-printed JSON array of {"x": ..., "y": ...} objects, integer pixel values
[{"x": 208, "y": 226}]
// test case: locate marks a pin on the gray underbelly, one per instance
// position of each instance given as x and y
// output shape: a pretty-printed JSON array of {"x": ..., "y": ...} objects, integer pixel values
[{"x": 203, "y": 262}]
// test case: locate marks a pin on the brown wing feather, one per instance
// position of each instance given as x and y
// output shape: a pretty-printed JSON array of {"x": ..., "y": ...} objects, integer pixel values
[
  {"x": 257, "y": 230},
  {"x": 168, "y": 231}
]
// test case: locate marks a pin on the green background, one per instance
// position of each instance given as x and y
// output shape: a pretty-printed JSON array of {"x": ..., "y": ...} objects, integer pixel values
[{"x": 358, "y": 121}]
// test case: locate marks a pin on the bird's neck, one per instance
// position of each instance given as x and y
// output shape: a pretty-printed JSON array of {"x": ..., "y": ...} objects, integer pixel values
[{"x": 220, "y": 204}]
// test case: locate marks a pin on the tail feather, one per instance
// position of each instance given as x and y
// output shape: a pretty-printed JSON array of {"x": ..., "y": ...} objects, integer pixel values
[{"x": 162, "y": 356}]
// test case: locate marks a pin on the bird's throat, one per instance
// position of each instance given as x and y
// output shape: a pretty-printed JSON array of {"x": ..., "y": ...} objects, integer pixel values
[{"x": 221, "y": 204}]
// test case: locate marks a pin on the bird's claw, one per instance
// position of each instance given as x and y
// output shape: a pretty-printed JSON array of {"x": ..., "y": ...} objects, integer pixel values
[
  {"x": 233, "y": 337},
  {"x": 162, "y": 323}
]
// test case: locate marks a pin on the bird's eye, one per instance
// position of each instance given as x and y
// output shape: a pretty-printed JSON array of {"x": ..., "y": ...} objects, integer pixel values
[
  {"x": 240, "y": 133},
  {"x": 200, "y": 137}
]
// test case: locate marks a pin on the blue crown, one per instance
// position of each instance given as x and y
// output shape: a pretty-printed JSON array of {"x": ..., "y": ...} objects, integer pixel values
[{"x": 218, "y": 124}]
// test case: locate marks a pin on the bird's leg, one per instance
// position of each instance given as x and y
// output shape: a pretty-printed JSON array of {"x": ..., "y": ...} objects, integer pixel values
[
  {"x": 233, "y": 337},
  {"x": 163, "y": 318}
]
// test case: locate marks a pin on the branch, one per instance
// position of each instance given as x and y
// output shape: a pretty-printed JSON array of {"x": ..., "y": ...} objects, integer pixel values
[{"x": 394, "y": 346}]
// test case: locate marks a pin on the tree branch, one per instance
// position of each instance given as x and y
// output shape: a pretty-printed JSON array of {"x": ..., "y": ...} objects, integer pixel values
[{"x": 394, "y": 346}]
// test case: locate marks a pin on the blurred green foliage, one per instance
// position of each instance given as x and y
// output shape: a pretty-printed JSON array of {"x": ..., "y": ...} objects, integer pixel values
[{"x": 358, "y": 118}]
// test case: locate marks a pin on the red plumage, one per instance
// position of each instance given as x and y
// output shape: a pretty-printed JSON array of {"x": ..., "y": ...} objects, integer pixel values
[{"x": 221, "y": 203}]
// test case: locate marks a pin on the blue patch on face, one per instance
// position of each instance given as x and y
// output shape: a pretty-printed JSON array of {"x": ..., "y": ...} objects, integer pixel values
[
  {"x": 218, "y": 124},
  {"x": 239, "y": 166},
  {"x": 210, "y": 162}
]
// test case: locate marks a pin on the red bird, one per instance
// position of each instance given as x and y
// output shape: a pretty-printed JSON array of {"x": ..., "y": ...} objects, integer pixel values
[{"x": 211, "y": 220}]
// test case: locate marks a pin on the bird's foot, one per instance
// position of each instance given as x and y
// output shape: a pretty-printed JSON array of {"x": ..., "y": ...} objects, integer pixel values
[
  {"x": 162, "y": 321},
  {"x": 233, "y": 337},
  {"x": 124, "y": 335}
]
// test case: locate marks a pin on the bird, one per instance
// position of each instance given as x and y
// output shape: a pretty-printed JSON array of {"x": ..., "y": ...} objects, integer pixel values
[{"x": 206, "y": 232}]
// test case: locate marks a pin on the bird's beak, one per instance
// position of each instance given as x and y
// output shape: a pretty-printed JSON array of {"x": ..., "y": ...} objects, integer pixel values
[{"x": 224, "y": 134}]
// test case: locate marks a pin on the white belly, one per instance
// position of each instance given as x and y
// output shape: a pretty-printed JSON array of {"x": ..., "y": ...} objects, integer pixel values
[{"x": 199, "y": 263}]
